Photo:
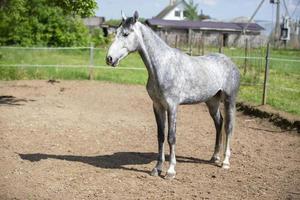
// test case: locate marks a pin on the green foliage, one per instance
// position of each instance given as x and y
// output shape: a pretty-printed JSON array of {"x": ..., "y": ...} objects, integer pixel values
[
  {"x": 97, "y": 37},
  {"x": 83, "y": 8},
  {"x": 44, "y": 22},
  {"x": 191, "y": 11},
  {"x": 203, "y": 17},
  {"x": 117, "y": 22}
]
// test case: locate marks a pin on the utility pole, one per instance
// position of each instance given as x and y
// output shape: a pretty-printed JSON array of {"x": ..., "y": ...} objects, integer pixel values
[
  {"x": 277, "y": 24},
  {"x": 253, "y": 15},
  {"x": 277, "y": 28}
]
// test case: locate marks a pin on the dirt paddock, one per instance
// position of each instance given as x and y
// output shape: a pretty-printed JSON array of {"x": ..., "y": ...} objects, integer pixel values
[{"x": 96, "y": 140}]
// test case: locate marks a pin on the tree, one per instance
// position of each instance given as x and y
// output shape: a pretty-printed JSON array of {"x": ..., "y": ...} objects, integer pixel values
[
  {"x": 117, "y": 22},
  {"x": 83, "y": 8},
  {"x": 191, "y": 11},
  {"x": 44, "y": 22},
  {"x": 203, "y": 16}
]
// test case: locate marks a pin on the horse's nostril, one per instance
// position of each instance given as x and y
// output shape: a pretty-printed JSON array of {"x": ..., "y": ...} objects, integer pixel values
[{"x": 108, "y": 59}]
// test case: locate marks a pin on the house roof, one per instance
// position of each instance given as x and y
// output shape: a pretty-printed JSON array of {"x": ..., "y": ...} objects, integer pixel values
[
  {"x": 167, "y": 9},
  {"x": 204, "y": 25},
  {"x": 93, "y": 21}
]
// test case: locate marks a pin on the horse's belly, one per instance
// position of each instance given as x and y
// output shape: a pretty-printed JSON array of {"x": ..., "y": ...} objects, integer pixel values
[
  {"x": 197, "y": 94},
  {"x": 182, "y": 92},
  {"x": 196, "y": 99}
]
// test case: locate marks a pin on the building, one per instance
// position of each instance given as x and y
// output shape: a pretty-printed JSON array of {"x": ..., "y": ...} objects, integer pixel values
[
  {"x": 174, "y": 11},
  {"x": 93, "y": 22},
  {"x": 171, "y": 24},
  {"x": 231, "y": 33},
  {"x": 98, "y": 22}
]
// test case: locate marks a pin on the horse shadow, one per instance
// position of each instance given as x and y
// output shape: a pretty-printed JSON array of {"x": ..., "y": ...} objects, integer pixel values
[
  {"x": 117, "y": 160},
  {"x": 13, "y": 101}
]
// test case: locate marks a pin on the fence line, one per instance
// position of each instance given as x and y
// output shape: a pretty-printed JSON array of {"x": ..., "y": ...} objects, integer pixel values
[
  {"x": 72, "y": 66},
  {"x": 252, "y": 78},
  {"x": 49, "y": 48},
  {"x": 285, "y": 60},
  {"x": 44, "y": 48},
  {"x": 294, "y": 59}
]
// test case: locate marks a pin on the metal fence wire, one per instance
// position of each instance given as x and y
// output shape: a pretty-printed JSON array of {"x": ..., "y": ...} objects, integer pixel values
[{"x": 283, "y": 74}]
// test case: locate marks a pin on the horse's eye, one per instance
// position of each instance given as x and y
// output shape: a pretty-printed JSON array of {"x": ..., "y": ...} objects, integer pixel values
[{"x": 125, "y": 34}]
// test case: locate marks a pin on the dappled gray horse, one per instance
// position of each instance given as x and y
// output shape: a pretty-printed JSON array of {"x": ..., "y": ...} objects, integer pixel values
[{"x": 176, "y": 78}]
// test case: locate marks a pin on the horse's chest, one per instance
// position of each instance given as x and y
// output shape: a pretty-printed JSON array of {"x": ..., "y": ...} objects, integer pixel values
[{"x": 155, "y": 92}]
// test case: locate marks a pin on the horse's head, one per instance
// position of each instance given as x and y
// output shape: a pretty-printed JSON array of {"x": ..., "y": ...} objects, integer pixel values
[{"x": 125, "y": 42}]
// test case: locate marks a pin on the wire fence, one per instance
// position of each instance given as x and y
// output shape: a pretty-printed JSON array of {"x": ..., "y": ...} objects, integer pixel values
[
  {"x": 89, "y": 63},
  {"x": 61, "y": 57}
]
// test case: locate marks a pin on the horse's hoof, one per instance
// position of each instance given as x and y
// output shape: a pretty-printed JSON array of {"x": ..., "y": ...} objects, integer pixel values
[
  {"x": 215, "y": 160},
  {"x": 225, "y": 166},
  {"x": 169, "y": 176},
  {"x": 155, "y": 172}
]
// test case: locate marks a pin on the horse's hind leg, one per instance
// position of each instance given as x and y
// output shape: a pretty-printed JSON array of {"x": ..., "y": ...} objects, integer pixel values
[
  {"x": 229, "y": 105},
  {"x": 214, "y": 111},
  {"x": 172, "y": 112},
  {"x": 160, "y": 117}
]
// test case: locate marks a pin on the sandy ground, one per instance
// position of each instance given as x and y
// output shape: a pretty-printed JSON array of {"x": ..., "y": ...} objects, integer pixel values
[{"x": 95, "y": 140}]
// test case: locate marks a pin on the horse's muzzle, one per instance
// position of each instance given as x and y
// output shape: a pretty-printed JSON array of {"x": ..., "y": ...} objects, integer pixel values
[{"x": 109, "y": 60}]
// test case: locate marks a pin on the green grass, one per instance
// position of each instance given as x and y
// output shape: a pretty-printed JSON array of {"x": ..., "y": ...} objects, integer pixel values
[
  {"x": 68, "y": 57},
  {"x": 283, "y": 86}
]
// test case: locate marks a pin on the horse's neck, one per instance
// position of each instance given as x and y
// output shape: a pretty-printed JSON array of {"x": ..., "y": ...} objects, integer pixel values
[{"x": 153, "y": 49}]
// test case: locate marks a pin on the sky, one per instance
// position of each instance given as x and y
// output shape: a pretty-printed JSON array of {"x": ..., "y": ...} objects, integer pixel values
[{"x": 218, "y": 9}]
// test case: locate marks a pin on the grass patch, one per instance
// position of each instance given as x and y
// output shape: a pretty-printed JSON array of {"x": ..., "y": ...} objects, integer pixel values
[{"x": 283, "y": 86}]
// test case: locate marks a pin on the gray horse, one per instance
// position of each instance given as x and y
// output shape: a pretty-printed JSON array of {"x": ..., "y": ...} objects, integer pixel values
[{"x": 175, "y": 78}]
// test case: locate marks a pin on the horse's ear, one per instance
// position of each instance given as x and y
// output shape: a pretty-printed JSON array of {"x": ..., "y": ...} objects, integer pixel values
[
  {"x": 123, "y": 16},
  {"x": 136, "y": 16}
]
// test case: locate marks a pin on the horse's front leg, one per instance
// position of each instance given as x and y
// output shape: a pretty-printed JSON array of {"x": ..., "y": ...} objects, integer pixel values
[
  {"x": 172, "y": 112},
  {"x": 160, "y": 117}
]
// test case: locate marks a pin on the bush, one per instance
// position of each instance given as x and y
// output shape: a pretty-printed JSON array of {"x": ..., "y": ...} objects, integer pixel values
[
  {"x": 97, "y": 37},
  {"x": 40, "y": 23}
]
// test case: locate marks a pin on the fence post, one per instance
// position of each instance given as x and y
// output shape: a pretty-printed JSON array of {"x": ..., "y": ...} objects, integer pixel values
[
  {"x": 220, "y": 43},
  {"x": 91, "y": 65},
  {"x": 176, "y": 41},
  {"x": 166, "y": 36},
  {"x": 264, "y": 100},
  {"x": 190, "y": 41},
  {"x": 202, "y": 44},
  {"x": 246, "y": 55},
  {"x": 199, "y": 45},
  {"x": 261, "y": 57}
]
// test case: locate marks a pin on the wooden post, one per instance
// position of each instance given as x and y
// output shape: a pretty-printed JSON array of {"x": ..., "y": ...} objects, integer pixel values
[
  {"x": 166, "y": 35},
  {"x": 190, "y": 42},
  {"x": 91, "y": 65},
  {"x": 176, "y": 42},
  {"x": 246, "y": 55},
  {"x": 264, "y": 99},
  {"x": 199, "y": 45},
  {"x": 261, "y": 57},
  {"x": 202, "y": 44},
  {"x": 220, "y": 43}
]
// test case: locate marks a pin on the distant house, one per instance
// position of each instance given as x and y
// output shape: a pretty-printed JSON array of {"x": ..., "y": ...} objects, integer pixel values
[
  {"x": 93, "y": 22},
  {"x": 174, "y": 11},
  {"x": 98, "y": 22},
  {"x": 171, "y": 23},
  {"x": 212, "y": 31}
]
